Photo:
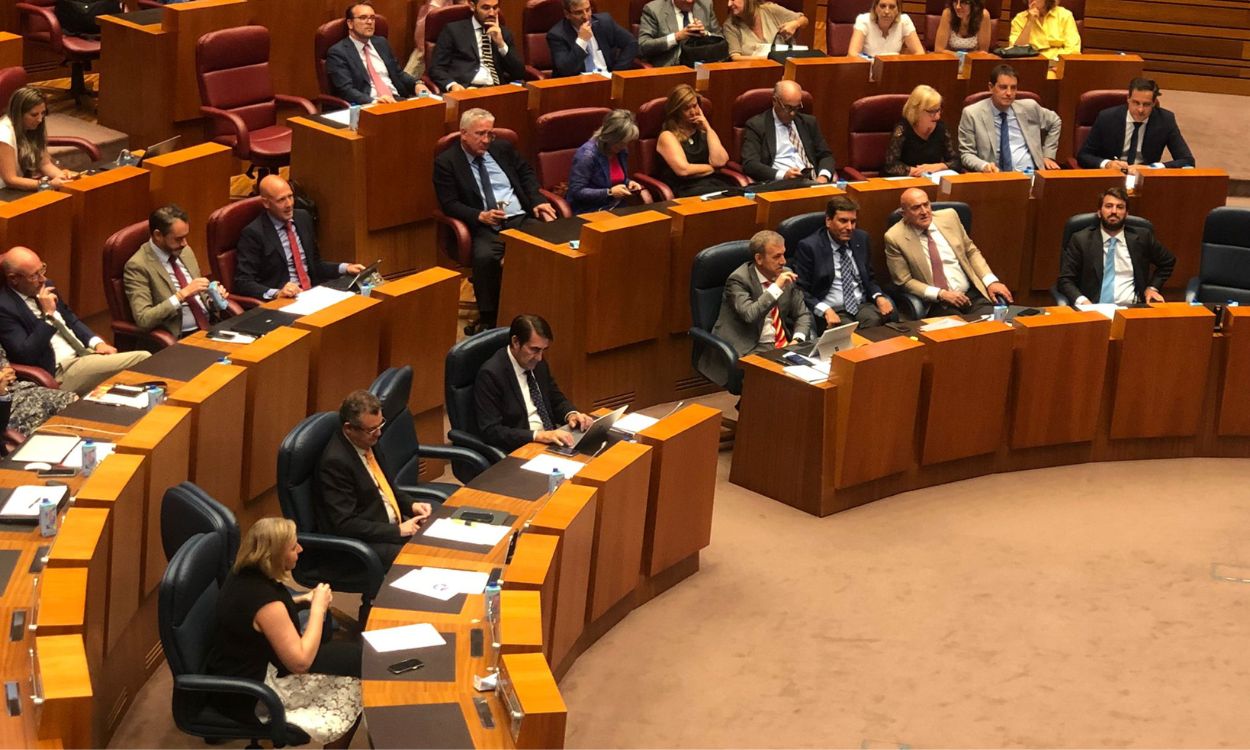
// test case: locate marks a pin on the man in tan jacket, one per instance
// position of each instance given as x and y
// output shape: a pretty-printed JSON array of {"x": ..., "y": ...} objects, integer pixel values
[{"x": 163, "y": 282}]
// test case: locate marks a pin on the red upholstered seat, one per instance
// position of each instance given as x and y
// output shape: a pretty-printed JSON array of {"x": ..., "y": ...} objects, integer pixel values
[
  {"x": 1087, "y": 109},
  {"x": 454, "y": 237},
  {"x": 224, "y": 227},
  {"x": 38, "y": 25},
  {"x": 558, "y": 136},
  {"x": 749, "y": 104},
  {"x": 118, "y": 249},
  {"x": 434, "y": 23},
  {"x": 872, "y": 120},
  {"x": 538, "y": 18},
  {"x": 329, "y": 34},
  {"x": 840, "y": 22}
]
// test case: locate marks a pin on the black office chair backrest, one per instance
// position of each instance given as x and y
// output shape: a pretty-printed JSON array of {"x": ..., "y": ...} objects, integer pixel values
[
  {"x": 187, "y": 607},
  {"x": 1224, "y": 273},
  {"x": 398, "y": 443},
  {"x": 707, "y": 279},
  {"x": 187, "y": 510},
  {"x": 794, "y": 229},
  {"x": 460, "y": 368},
  {"x": 298, "y": 458},
  {"x": 1082, "y": 221},
  {"x": 961, "y": 208}
]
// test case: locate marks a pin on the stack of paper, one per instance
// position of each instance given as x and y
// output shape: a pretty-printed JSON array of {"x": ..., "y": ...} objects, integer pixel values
[
  {"x": 421, "y": 635},
  {"x": 943, "y": 323},
  {"x": 442, "y": 583},
  {"x": 485, "y": 534},
  {"x": 25, "y": 500},
  {"x": 807, "y": 373},
  {"x": 51, "y": 449},
  {"x": 632, "y": 424},
  {"x": 1107, "y": 310},
  {"x": 316, "y": 299},
  {"x": 545, "y": 462}
]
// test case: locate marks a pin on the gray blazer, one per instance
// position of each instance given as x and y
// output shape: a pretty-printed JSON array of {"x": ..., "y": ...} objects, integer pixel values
[
  {"x": 658, "y": 21},
  {"x": 742, "y": 312},
  {"x": 148, "y": 289},
  {"x": 978, "y": 144}
]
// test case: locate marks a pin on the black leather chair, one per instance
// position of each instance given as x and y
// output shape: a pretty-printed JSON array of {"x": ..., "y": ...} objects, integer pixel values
[
  {"x": 1224, "y": 272},
  {"x": 711, "y": 356},
  {"x": 1075, "y": 224},
  {"x": 401, "y": 453},
  {"x": 346, "y": 564},
  {"x": 460, "y": 368},
  {"x": 186, "y": 613},
  {"x": 187, "y": 510},
  {"x": 796, "y": 228},
  {"x": 910, "y": 304}
]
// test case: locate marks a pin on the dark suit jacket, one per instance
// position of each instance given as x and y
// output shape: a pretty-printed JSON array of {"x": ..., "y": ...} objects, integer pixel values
[
  {"x": 759, "y": 145},
  {"x": 261, "y": 264},
  {"x": 743, "y": 310},
  {"x": 458, "y": 195},
  {"x": 501, "y": 417},
  {"x": 815, "y": 263},
  {"x": 1106, "y": 139},
  {"x": 456, "y": 57},
  {"x": 590, "y": 178},
  {"x": 348, "y": 78},
  {"x": 1080, "y": 266},
  {"x": 348, "y": 502},
  {"x": 26, "y": 338},
  {"x": 568, "y": 58}
]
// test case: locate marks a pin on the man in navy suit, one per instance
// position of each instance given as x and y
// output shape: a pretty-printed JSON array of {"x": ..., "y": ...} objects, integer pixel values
[
  {"x": 37, "y": 328},
  {"x": 458, "y": 54},
  {"x": 362, "y": 67},
  {"x": 834, "y": 273},
  {"x": 1112, "y": 262},
  {"x": 587, "y": 43},
  {"x": 1134, "y": 134}
]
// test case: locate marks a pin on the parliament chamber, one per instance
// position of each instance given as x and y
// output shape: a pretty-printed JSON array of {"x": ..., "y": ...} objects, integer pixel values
[{"x": 901, "y": 411}]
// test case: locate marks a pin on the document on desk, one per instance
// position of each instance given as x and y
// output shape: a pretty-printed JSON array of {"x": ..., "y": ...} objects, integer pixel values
[
  {"x": 632, "y": 424},
  {"x": 421, "y": 635},
  {"x": 103, "y": 449},
  {"x": 51, "y": 449},
  {"x": 316, "y": 299},
  {"x": 25, "y": 500},
  {"x": 545, "y": 462},
  {"x": 453, "y": 530},
  {"x": 1105, "y": 310},
  {"x": 807, "y": 373},
  {"x": 442, "y": 583},
  {"x": 942, "y": 324}
]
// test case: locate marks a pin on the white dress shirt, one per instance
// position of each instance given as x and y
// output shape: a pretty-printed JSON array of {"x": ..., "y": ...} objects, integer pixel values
[
  {"x": 378, "y": 66},
  {"x": 678, "y": 23},
  {"x": 62, "y": 350},
  {"x": 531, "y": 411},
  {"x": 482, "y": 76},
  {"x": 591, "y": 47},
  {"x": 956, "y": 279}
]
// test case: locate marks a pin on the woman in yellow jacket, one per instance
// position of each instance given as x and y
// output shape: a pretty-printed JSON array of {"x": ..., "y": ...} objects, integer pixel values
[{"x": 1048, "y": 27}]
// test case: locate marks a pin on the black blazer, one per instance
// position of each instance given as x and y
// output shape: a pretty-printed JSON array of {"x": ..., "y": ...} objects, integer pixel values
[
  {"x": 1080, "y": 266},
  {"x": 759, "y": 146},
  {"x": 28, "y": 339},
  {"x": 348, "y": 502},
  {"x": 815, "y": 263},
  {"x": 501, "y": 417},
  {"x": 456, "y": 187},
  {"x": 619, "y": 47},
  {"x": 1106, "y": 139},
  {"x": 261, "y": 264},
  {"x": 456, "y": 57},
  {"x": 348, "y": 78}
]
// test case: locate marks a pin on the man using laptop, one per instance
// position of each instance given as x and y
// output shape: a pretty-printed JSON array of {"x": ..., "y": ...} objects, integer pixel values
[
  {"x": 834, "y": 272},
  {"x": 517, "y": 400}
]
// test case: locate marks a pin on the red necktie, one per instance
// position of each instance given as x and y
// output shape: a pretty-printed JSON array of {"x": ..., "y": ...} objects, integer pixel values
[
  {"x": 380, "y": 89},
  {"x": 197, "y": 307},
  {"x": 297, "y": 258},
  {"x": 779, "y": 333},
  {"x": 935, "y": 260}
]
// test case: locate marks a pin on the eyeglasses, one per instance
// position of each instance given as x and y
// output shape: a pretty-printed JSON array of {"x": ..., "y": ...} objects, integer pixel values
[
  {"x": 933, "y": 112},
  {"x": 366, "y": 19},
  {"x": 791, "y": 108},
  {"x": 40, "y": 272},
  {"x": 374, "y": 431}
]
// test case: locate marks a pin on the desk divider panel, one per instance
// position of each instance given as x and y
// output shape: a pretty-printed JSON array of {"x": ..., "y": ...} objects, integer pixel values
[
  {"x": 999, "y": 203},
  {"x": 899, "y": 74},
  {"x": 776, "y": 206},
  {"x": 625, "y": 258},
  {"x": 633, "y": 88},
  {"x": 570, "y": 92},
  {"x": 508, "y": 103},
  {"x": 725, "y": 81},
  {"x": 1161, "y": 374},
  {"x": 217, "y": 398},
  {"x": 399, "y": 133},
  {"x": 344, "y": 354},
  {"x": 699, "y": 224},
  {"x": 1080, "y": 73},
  {"x": 878, "y": 391},
  {"x": 1057, "y": 379},
  {"x": 103, "y": 203},
  {"x": 835, "y": 82},
  {"x": 533, "y": 569},
  {"x": 963, "y": 409},
  {"x": 539, "y": 698},
  {"x": 65, "y": 715},
  {"x": 1166, "y": 195},
  {"x": 520, "y": 622},
  {"x": 1235, "y": 398},
  {"x": 137, "y": 76},
  {"x": 570, "y": 514}
]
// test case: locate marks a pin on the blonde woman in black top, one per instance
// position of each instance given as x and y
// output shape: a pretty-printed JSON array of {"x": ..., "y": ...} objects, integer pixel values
[{"x": 921, "y": 142}]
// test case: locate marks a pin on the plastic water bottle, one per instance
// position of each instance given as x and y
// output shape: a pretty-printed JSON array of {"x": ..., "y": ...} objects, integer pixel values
[
  {"x": 555, "y": 480},
  {"x": 47, "y": 517},
  {"x": 214, "y": 291},
  {"x": 366, "y": 289},
  {"x": 88, "y": 457},
  {"x": 353, "y": 116},
  {"x": 224, "y": 360},
  {"x": 492, "y": 602}
]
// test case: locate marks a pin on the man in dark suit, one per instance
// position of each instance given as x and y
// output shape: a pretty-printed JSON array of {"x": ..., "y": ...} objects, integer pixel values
[
  {"x": 665, "y": 24},
  {"x": 37, "y": 328},
  {"x": 277, "y": 253},
  {"x": 486, "y": 184},
  {"x": 362, "y": 67},
  {"x": 476, "y": 51},
  {"x": 763, "y": 308},
  {"x": 516, "y": 398},
  {"x": 355, "y": 497},
  {"x": 782, "y": 143},
  {"x": 1111, "y": 263},
  {"x": 834, "y": 273},
  {"x": 1135, "y": 133},
  {"x": 589, "y": 43}
]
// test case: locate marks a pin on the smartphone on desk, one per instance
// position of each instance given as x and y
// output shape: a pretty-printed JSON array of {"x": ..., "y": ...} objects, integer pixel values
[{"x": 407, "y": 665}]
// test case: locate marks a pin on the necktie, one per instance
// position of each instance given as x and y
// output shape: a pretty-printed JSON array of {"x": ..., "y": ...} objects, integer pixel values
[
  {"x": 380, "y": 89},
  {"x": 590, "y": 56},
  {"x": 846, "y": 269},
  {"x": 935, "y": 260},
  {"x": 1107, "y": 296},
  {"x": 194, "y": 301},
  {"x": 539, "y": 405},
  {"x": 1131, "y": 156},
  {"x": 487, "y": 191},
  {"x": 779, "y": 333},
  {"x": 1004, "y": 144},
  {"x": 488, "y": 57},
  {"x": 384, "y": 487},
  {"x": 69, "y": 336},
  {"x": 297, "y": 258},
  {"x": 797, "y": 142},
  {"x": 685, "y": 18}
]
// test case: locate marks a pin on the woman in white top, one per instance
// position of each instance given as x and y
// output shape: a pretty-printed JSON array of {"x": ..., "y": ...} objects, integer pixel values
[
  {"x": 24, "y": 157},
  {"x": 884, "y": 31},
  {"x": 965, "y": 27}
]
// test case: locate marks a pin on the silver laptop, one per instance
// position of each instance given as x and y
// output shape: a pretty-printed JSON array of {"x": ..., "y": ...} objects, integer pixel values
[
  {"x": 590, "y": 441},
  {"x": 832, "y": 341}
]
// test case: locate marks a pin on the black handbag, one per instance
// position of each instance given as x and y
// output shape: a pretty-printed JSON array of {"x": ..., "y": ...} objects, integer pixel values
[
  {"x": 1019, "y": 50},
  {"x": 78, "y": 17},
  {"x": 780, "y": 56},
  {"x": 707, "y": 48}
]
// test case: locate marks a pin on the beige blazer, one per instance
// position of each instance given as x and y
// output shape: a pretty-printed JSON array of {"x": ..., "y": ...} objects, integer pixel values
[
  {"x": 149, "y": 288},
  {"x": 908, "y": 259}
]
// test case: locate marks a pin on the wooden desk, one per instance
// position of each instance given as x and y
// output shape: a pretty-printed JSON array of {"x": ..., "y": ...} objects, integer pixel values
[
  {"x": 1153, "y": 401},
  {"x": 568, "y": 515},
  {"x": 999, "y": 204},
  {"x": 633, "y": 88},
  {"x": 136, "y": 80},
  {"x": 1032, "y": 75},
  {"x": 699, "y": 224},
  {"x": 197, "y": 179},
  {"x": 294, "y": 25},
  {"x": 555, "y": 94},
  {"x": 774, "y": 207},
  {"x": 1234, "y": 404},
  {"x": 102, "y": 204},
  {"x": 965, "y": 405},
  {"x": 1057, "y": 379},
  {"x": 217, "y": 399},
  {"x": 38, "y": 221},
  {"x": 835, "y": 82},
  {"x": 1080, "y": 73},
  {"x": 344, "y": 350},
  {"x": 10, "y": 47},
  {"x": 509, "y": 104},
  {"x": 726, "y": 81},
  {"x": 1177, "y": 201},
  {"x": 1061, "y": 194}
]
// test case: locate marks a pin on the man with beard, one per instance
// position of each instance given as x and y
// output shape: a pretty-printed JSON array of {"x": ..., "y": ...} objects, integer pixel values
[{"x": 1111, "y": 263}]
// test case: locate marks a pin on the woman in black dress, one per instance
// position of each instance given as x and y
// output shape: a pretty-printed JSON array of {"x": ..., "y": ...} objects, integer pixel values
[
  {"x": 690, "y": 151},
  {"x": 921, "y": 142}
]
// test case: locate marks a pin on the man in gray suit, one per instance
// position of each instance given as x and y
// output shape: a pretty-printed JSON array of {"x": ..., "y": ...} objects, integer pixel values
[
  {"x": 163, "y": 282},
  {"x": 763, "y": 308},
  {"x": 1000, "y": 134},
  {"x": 665, "y": 24}
]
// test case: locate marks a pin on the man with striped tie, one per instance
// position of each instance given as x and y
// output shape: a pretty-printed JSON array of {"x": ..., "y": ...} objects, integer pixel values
[
  {"x": 763, "y": 307},
  {"x": 834, "y": 272},
  {"x": 477, "y": 51}
]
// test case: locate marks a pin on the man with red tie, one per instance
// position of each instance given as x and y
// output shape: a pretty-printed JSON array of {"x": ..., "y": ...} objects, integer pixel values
[
  {"x": 277, "y": 253},
  {"x": 763, "y": 307},
  {"x": 362, "y": 68}
]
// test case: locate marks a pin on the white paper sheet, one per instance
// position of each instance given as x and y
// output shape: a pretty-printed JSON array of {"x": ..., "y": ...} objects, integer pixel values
[
  {"x": 442, "y": 583},
  {"x": 634, "y": 423},
  {"x": 485, "y": 534},
  {"x": 103, "y": 449},
  {"x": 807, "y": 373},
  {"x": 1105, "y": 310},
  {"x": 316, "y": 299},
  {"x": 943, "y": 323},
  {"x": 50, "y": 449},
  {"x": 25, "y": 499},
  {"x": 543, "y": 463},
  {"x": 421, "y": 635}
]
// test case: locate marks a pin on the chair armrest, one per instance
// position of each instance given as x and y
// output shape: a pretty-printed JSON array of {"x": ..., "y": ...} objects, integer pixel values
[
  {"x": 296, "y": 101},
  {"x": 460, "y": 235},
  {"x": 474, "y": 443},
  {"x": 329, "y": 103},
  {"x": 853, "y": 173},
  {"x": 243, "y": 138},
  {"x": 734, "y": 176},
  {"x": 645, "y": 196},
  {"x": 233, "y": 308},
  {"x": 561, "y": 205},
  {"x": 724, "y": 357},
  {"x": 908, "y": 305},
  {"x": 49, "y": 17},
  {"x": 657, "y": 188},
  {"x": 278, "y": 729},
  {"x": 1071, "y": 163},
  {"x": 82, "y": 144},
  {"x": 1191, "y": 289},
  {"x": 534, "y": 74},
  {"x": 424, "y": 493},
  {"x": 455, "y": 454},
  {"x": 363, "y": 553},
  {"x": 158, "y": 337},
  {"x": 33, "y": 374},
  {"x": 429, "y": 84}
]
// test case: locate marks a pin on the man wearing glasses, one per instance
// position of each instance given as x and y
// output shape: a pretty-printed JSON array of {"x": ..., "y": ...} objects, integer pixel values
[
  {"x": 782, "y": 143},
  {"x": 356, "y": 498},
  {"x": 37, "y": 328},
  {"x": 362, "y": 67}
]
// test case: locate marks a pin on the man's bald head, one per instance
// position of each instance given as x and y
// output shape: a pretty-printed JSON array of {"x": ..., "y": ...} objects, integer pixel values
[
  {"x": 917, "y": 211},
  {"x": 23, "y": 269},
  {"x": 277, "y": 196},
  {"x": 787, "y": 100}
]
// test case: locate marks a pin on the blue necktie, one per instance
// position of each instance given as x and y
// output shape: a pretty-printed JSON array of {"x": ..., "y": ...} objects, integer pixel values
[
  {"x": 590, "y": 56},
  {"x": 1004, "y": 143},
  {"x": 1107, "y": 297},
  {"x": 488, "y": 192}
]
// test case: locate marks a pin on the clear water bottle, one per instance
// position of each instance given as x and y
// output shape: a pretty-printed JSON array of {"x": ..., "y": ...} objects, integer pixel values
[
  {"x": 492, "y": 602},
  {"x": 88, "y": 457},
  {"x": 555, "y": 480},
  {"x": 353, "y": 116}
]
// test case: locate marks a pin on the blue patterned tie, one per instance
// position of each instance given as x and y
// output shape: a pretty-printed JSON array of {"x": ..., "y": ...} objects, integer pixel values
[
  {"x": 1107, "y": 296},
  {"x": 846, "y": 269},
  {"x": 1004, "y": 143}
]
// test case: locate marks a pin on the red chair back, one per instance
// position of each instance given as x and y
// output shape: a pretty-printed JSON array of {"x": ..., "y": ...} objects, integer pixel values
[
  {"x": 749, "y": 104},
  {"x": 537, "y": 20},
  {"x": 872, "y": 120},
  {"x": 972, "y": 99},
  {"x": 840, "y": 22},
  {"x": 225, "y": 225},
  {"x": 119, "y": 248},
  {"x": 560, "y": 134},
  {"x": 331, "y": 33},
  {"x": 11, "y": 79},
  {"x": 232, "y": 67},
  {"x": 36, "y": 28},
  {"x": 452, "y": 138},
  {"x": 1087, "y": 109},
  {"x": 635, "y": 14},
  {"x": 436, "y": 20}
]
